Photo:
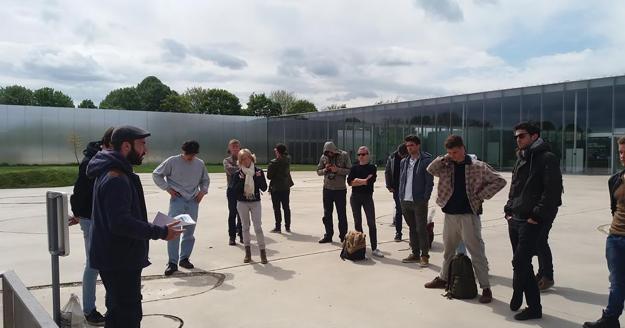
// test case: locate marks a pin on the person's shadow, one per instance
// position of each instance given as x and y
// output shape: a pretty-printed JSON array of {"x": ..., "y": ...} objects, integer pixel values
[
  {"x": 573, "y": 294},
  {"x": 547, "y": 321},
  {"x": 294, "y": 236},
  {"x": 273, "y": 271}
]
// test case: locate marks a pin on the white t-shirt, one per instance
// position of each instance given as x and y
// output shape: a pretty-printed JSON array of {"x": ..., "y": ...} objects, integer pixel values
[{"x": 408, "y": 188}]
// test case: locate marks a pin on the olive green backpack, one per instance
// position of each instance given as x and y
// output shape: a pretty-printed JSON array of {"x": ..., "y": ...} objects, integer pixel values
[{"x": 460, "y": 278}]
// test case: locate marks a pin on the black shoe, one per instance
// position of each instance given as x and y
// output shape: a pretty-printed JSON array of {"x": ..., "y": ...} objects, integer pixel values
[
  {"x": 95, "y": 318},
  {"x": 397, "y": 237},
  {"x": 288, "y": 229},
  {"x": 171, "y": 268},
  {"x": 241, "y": 238},
  {"x": 342, "y": 239},
  {"x": 528, "y": 314},
  {"x": 186, "y": 264},
  {"x": 325, "y": 240},
  {"x": 603, "y": 322},
  {"x": 516, "y": 301},
  {"x": 276, "y": 230},
  {"x": 232, "y": 241}
]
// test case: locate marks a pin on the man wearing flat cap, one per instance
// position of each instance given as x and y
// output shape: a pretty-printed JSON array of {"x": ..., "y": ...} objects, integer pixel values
[{"x": 120, "y": 229}]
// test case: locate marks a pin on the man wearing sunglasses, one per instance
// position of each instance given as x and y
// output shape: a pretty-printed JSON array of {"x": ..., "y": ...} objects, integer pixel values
[{"x": 535, "y": 195}]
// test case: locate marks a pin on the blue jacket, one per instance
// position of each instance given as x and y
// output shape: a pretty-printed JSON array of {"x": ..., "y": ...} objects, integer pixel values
[
  {"x": 422, "y": 180},
  {"x": 120, "y": 230}
]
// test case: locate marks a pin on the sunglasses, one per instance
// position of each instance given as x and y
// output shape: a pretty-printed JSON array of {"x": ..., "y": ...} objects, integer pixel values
[
  {"x": 363, "y": 154},
  {"x": 520, "y": 135}
]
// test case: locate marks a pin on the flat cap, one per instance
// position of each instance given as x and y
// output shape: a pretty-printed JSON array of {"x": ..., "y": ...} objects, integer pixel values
[{"x": 128, "y": 133}]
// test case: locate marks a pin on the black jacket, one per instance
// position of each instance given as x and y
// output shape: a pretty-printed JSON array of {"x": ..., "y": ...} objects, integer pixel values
[
  {"x": 121, "y": 231},
  {"x": 391, "y": 171},
  {"x": 82, "y": 196},
  {"x": 536, "y": 188},
  {"x": 238, "y": 184},
  {"x": 613, "y": 183},
  {"x": 279, "y": 172}
]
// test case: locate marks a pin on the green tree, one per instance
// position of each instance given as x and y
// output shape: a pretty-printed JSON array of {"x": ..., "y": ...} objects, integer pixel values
[
  {"x": 286, "y": 99},
  {"x": 87, "y": 103},
  {"x": 123, "y": 98},
  {"x": 16, "y": 95},
  {"x": 302, "y": 106},
  {"x": 51, "y": 98},
  {"x": 260, "y": 105},
  {"x": 152, "y": 92},
  {"x": 176, "y": 103},
  {"x": 213, "y": 101},
  {"x": 336, "y": 106}
]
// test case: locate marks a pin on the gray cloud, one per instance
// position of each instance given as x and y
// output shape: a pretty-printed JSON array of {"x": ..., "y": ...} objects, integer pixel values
[
  {"x": 448, "y": 10},
  {"x": 295, "y": 61},
  {"x": 486, "y": 2},
  {"x": 353, "y": 95},
  {"x": 219, "y": 57},
  {"x": 394, "y": 62},
  {"x": 50, "y": 16},
  {"x": 57, "y": 65},
  {"x": 173, "y": 51}
]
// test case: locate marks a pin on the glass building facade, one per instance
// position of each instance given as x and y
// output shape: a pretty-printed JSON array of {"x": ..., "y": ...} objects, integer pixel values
[{"x": 581, "y": 120}]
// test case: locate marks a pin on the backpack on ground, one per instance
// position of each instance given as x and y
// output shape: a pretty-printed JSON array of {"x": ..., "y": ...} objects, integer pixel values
[
  {"x": 354, "y": 246},
  {"x": 460, "y": 278}
]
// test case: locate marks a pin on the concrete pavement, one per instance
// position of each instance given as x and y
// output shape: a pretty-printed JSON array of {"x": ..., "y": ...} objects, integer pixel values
[{"x": 306, "y": 284}]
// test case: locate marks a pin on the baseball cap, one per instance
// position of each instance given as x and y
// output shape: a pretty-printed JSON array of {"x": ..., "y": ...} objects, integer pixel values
[{"x": 128, "y": 133}]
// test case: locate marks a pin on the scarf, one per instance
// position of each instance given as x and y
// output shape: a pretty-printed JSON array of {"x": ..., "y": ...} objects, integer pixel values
[{"x": 248, "y": 189}]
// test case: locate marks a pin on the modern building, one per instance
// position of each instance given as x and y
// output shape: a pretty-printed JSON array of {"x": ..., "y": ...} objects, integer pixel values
[{"x": 581, "y": 119}]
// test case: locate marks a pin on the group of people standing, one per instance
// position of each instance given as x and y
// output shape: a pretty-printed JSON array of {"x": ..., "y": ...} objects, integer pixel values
[
  {"x": 109, "y": 204},
  {"x": 464, "y": 183}
]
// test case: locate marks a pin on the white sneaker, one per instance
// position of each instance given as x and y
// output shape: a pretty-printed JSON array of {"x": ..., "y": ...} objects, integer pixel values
[{"x": 377, "y": 253}]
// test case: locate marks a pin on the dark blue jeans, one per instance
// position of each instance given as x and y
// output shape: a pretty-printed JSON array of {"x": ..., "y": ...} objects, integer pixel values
[
  {"x": 337, "y": 198},
  {"x": 615, "y": 255},
  {"x": 524, "y": 237},
  {"x": 123, "y": 298},
  {"x": 543, "y": 251},
  {"x": 398, "y": 219},
  {"x": 234, "y": 220}
]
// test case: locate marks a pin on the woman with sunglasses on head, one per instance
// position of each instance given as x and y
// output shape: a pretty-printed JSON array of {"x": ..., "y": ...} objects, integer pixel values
[
  {"x": 248, "y": 183},
  {"x": 362, "y": 177}
]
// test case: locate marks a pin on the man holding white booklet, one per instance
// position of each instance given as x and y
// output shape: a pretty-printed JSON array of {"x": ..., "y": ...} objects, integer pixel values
[{"x": 185, "y": 178}]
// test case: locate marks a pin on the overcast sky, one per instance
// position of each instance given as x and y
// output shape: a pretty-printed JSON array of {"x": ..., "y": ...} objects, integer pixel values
[{"x": 355, "y": 52}]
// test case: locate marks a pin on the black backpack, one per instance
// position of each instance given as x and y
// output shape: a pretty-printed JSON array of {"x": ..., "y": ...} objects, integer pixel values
[
  {"x": 354, "y": 246},
  {"x": 460, "y": 278}
]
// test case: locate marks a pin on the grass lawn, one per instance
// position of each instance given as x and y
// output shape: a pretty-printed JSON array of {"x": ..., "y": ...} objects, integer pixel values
[{"x": 39, "y": 176}]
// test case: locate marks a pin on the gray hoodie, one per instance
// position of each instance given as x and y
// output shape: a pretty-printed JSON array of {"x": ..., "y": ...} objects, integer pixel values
[{"x": 331, "y": 180}]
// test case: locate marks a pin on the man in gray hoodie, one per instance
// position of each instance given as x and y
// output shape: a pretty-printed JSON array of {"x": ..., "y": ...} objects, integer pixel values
[{"x": 334, "y": 166}]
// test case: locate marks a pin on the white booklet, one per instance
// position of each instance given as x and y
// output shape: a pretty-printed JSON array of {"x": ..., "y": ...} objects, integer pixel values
[{"x": 162, "y": 219}]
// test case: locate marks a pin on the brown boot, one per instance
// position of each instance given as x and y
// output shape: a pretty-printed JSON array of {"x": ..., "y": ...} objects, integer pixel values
[
  {"x": 263, "y": 256},
  {"x": 487, "y": 296},
  {"x": 436, "y": 283},
  {"x": 248, "y": 255}
]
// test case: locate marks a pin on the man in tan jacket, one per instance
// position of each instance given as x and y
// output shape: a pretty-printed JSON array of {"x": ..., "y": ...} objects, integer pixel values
[{"x": 463, "y": 185}]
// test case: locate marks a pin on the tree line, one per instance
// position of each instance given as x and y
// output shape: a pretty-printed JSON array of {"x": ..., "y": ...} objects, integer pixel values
[{"x": 153, "y": 95}]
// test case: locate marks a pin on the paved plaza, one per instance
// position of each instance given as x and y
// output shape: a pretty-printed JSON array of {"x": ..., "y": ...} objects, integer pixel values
[{"x": 306, "y": 284}]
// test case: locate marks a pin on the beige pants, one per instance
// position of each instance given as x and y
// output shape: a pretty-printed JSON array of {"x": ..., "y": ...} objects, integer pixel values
[
  {"x": 466, "y": 228},
  {"x": 253, "y": 209}
]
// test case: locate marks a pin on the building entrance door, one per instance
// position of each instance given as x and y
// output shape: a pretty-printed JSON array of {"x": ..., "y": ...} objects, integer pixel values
[{"x": 599, "y": 153}]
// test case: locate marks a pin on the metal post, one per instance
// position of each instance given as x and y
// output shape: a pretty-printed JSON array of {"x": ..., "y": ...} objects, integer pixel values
[
  {"x": 56, "y": 291},
  {"x": 58, "y": 244}
]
